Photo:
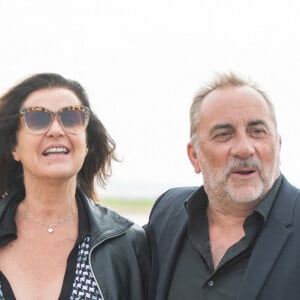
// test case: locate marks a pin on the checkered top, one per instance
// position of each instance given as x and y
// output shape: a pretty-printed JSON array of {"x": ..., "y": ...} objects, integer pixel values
[{"x": 84, "y": 285}]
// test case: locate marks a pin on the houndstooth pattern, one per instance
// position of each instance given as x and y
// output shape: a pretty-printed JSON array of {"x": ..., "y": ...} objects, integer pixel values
[
  {"x": 1, "y": 293},
  {"x": 84, "y": 285}
]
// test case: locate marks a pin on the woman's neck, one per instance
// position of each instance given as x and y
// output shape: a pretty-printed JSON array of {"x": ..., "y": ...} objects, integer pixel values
[{"x": 52, "y": 199}]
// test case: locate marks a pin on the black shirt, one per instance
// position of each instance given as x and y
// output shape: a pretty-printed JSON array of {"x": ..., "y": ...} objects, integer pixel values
[{"x": 194, "y": 275}]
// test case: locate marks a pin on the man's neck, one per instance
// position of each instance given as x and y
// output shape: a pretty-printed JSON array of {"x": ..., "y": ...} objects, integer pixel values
[{"x": 225, "y": 230}]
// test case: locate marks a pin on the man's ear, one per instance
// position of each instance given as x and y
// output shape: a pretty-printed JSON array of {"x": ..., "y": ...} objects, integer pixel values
[
  {"x": 193, "y": 156},
  {"x": 280, "y": 142}
]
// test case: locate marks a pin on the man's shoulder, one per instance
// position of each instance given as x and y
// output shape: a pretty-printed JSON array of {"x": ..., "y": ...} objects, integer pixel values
[
  {"x": 172, "y": 201},
  {"x": 176, "y": 195},
  {"x": 169, "y": 212},
  {"x": 287, "y": 202}
]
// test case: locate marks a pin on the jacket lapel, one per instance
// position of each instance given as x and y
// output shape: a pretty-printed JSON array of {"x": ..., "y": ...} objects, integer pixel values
[
  {"x": 266, "y": 251},
  {"x": 169, "y": 251}
]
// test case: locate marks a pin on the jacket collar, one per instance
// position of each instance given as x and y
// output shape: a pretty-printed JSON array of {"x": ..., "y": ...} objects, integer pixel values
[
  {"x": 8, "y": 206},
  {"x": 104, "y": 223}
]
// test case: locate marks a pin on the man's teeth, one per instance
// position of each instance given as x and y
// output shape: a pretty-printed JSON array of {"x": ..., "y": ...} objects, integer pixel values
[{"x": 56, "y": 150}]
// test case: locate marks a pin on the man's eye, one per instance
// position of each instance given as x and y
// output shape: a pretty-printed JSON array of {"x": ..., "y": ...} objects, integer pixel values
[
  {"x": 222, "y": 136},
  {"x": 258, "y": 131}
]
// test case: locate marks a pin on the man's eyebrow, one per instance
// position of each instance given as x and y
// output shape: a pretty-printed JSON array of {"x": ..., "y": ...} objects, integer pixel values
[
  {"x": 257, "y": 122},
  {"x": 220, "y": 126}
]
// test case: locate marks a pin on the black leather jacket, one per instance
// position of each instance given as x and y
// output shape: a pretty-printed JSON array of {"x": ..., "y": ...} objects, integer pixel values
[
  {"x": 118, "y": 253},
  {"x": 118, "y": 256}
]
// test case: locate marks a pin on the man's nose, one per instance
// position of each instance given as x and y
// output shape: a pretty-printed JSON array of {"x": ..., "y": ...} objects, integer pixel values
[{"x": 242, "y": 146}]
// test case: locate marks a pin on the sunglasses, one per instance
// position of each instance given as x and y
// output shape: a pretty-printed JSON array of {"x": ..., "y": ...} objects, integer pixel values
[{"x": 73, "y": 119}]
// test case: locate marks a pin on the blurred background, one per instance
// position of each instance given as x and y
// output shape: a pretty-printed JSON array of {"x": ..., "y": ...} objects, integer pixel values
[{"x": 141, "y": 63}]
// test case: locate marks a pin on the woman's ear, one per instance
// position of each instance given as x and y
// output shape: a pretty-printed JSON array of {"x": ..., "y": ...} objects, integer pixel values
[{"x": 15, "y": 155}]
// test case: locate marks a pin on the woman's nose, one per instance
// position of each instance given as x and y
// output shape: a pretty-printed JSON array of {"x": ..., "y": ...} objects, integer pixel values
[{"x": 55, "y": 128}]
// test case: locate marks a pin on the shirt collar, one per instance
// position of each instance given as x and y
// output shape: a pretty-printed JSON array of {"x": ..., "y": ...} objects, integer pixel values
[{"x": 264, "y": 206}]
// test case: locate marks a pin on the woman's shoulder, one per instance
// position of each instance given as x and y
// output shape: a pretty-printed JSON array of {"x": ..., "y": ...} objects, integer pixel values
[{"x": 106, "y": 220}]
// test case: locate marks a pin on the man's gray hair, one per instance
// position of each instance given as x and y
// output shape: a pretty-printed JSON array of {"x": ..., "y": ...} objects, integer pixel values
[{"x": 219, "y": 81}]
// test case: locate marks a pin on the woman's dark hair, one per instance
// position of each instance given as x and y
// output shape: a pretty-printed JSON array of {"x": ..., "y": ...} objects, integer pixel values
[{"x": 101, "y": 147}]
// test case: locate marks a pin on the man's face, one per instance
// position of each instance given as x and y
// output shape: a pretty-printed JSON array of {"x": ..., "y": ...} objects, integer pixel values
[{"x": 238, "y": 145}]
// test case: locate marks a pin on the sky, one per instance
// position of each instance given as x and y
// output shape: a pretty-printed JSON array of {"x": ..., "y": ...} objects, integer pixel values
[{"x": 141, "y": 62}]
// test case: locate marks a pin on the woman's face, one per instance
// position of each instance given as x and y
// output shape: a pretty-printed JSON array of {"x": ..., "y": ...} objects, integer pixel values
[{"x": 55, "y": 154}]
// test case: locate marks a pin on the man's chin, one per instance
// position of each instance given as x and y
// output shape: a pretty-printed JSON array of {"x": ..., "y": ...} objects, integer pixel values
[{"x": 246, "y": 194}]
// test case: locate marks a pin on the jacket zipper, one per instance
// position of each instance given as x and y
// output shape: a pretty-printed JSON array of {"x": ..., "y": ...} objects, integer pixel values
[{"x": 90, "y": 258}]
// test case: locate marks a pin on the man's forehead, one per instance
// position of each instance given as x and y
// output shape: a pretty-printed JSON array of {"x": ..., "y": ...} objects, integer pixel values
[
  {"x": 239, "y": 94},
  {"x": 234, "y": 102}
]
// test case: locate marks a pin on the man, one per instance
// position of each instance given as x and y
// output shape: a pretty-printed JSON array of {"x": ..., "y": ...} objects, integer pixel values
[{"x": 237, "y": 236}]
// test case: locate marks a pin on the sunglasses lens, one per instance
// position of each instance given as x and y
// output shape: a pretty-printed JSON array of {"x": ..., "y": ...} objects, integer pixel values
[
  {"x": 73, "y": 120},
  {"x": 37, "y": 121}
]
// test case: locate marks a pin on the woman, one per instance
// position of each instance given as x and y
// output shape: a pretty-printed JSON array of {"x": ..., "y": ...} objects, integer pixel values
[{"x": 55, "y": 241}]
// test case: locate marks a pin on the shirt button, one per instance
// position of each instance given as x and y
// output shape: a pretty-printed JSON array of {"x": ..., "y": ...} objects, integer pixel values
[{"x": 210, "y": 283}]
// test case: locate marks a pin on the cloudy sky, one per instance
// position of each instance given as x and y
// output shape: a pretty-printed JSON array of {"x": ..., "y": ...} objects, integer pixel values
[{"x": 141, "y": 63}]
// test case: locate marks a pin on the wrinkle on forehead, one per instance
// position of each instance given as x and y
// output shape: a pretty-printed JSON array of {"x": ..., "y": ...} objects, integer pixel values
[{"x": 233, "y": 105}]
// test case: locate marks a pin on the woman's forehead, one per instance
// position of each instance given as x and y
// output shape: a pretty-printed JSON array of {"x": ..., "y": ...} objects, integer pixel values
[{"x": 53, "y": 98}]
